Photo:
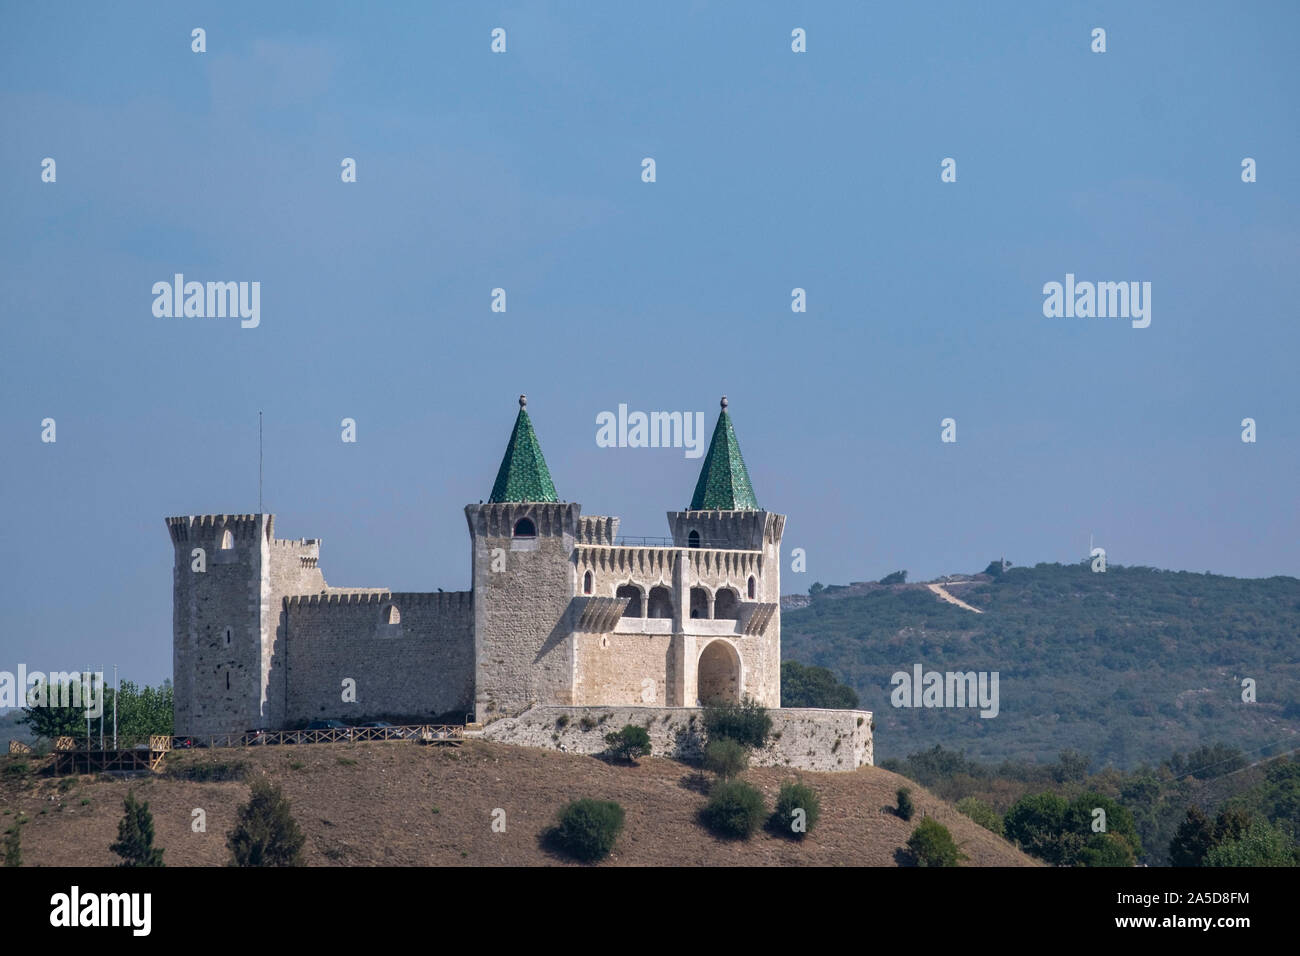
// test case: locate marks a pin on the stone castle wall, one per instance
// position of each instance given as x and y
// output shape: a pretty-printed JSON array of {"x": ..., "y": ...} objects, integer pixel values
[
  {"x": 423, "y": 665},
  {"x": 802, "y": 739}
]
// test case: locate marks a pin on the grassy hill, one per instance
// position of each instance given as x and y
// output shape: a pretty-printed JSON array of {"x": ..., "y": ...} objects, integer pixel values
[
  {"x": 1126, "y": 665},
  {"x": 398, "y": 803}
]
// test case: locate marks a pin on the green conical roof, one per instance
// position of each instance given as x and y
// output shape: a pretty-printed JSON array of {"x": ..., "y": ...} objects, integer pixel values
[
  {"x": 724, "y": 480},
  {"x": 523, "y": 475}
]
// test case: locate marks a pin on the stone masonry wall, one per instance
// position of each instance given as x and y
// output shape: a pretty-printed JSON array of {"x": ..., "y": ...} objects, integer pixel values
[
  {"x": 803, "y": 738},
  {"x": 421, "y": 666}
]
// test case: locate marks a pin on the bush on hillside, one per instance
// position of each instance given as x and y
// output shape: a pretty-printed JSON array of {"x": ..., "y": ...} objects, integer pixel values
[
  {"x": 735, "y": 810},
  {"x": 932, "y": 845},
  {"x": 587, "y": 829},
  {"x": 798, "y": 808}
]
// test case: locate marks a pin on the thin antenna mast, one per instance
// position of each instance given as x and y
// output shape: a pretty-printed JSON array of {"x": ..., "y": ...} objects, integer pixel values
[{"x": 259, "y": 462}]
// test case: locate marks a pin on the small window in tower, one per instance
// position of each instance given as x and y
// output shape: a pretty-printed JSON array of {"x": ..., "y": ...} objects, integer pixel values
[
  {"x": 586, "y": 583},
  {"x": 229, "y": 635},
  {"x": 227, "y": 540},
  {"x": 524, "y": 528},
  {"x": 751, "y": 587},
  {"x": 227, "y": 680},
  {"x": 392, "y": 615},
  {"x": 693, "y": 539}
]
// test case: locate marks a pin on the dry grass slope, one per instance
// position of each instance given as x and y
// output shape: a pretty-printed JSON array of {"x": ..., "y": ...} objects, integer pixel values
[{"x": 374, "y": 804}]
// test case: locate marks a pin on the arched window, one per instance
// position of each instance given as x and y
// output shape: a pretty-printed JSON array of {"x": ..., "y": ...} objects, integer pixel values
[
  {"x": 693, "y": 539},
  {"x": 392, "y": 615},
  {"x": 660, "y": 603},
  {"x": 726, "y": 605},
  {"x": 633, "y": 594},
  {"x": 524, "y": 528},
  {"x": 586, "y": 583},
  {"x": 699, "y": 603},
  {"x": 751, "y": 587},
  {"x": 227, "y": 540}
]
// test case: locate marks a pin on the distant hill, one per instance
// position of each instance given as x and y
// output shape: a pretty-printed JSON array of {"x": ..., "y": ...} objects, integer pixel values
[
  {"x": 1126, "y": 665},
  {"x": 401, "y": 804}
]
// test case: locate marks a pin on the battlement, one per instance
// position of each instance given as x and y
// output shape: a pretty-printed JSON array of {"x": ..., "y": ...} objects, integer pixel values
[
  {"x": 450, "y": 600},
  {"x": 185, "y": 528},
  {"x": 648, "y": 560},
  {"x": 597, "y": 529},
  {"x": 497, "y": 520},
  {"x": 744, "y": 530}
]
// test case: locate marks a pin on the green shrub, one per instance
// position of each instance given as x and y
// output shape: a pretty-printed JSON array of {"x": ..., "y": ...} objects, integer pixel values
[
  {"x": 265, "y": 833},
  {"x": 735, "y": 810},
  {"x": 587, "y": 723},
  {"x": 587, "y": 829},
  {"x": 747, "y": 723},
  {"x": 725, "y": 757},
  {"x": 981, "y": 813},
  {"x": 135, "y": 836},
  {"x": 629, "y": 743},
  {"x": 905, "y": 807},
  {"x": 13, "y": 846},
  {"x": 932, "y": 845},
  {"x": 794, "y": 797}
]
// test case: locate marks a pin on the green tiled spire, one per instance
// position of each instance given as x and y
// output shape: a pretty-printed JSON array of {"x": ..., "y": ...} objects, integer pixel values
[
  {"x": 523, "y": 475},
  {"x": 724, "y": 480}
]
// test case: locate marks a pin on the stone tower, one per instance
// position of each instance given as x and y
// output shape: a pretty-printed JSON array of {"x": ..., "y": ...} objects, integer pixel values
[
  {"x": 523, "y": 583},
  {"x": 228, "y": 583},
  {"x": 724, "y": 517}
]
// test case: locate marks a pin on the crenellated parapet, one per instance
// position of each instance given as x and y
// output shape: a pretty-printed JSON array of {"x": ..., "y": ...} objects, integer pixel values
[
  {"x": 450, "y": 600},
  {"x": 597, "y": 529},
  {"x": 194, "y": 528},
  {"x": 498, "y": 519},
  {"x": 731, "y": 530}
]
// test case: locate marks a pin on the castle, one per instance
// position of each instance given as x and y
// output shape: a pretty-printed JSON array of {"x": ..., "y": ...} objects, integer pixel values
[{"x": 561, "y": 613}]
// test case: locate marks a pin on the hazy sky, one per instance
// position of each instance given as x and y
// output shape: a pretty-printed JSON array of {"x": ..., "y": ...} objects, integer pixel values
[{"x": 522, "y": 170}]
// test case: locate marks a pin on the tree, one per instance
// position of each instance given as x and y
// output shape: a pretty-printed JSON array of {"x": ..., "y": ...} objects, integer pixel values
[
  {"x": 51, "y": 714},
  {"x": 898, "y": 577},
  {"x": 141, "y": 711},
  {"x": 735, "y": 809},
  {"x": 814, "y": 687},
  {"x": 981, "y": 813},
  {"x": 587, "y": 829},
  {"x": 13, "y": 845},
  {"x": 135, "y": 836},
  {"x": 816, "y": 589},
  {"x": 1036, "y": 823},
  {"x": 747, "y": 723},
  {"x": 629, "y": 743},
  {"x": 265, "y": 832},
  {"x": 725, "y": 757},
  {"x": 905, "y": 808},
  {"x": 932, "y": 845},
  {"x": 1194, "y": 839},
  {"x": 798, "y": 808},
  {"x": 1260, "y": 844}
]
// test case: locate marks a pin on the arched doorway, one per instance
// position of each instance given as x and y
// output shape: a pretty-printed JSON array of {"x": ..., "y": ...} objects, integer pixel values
[
  {"x": 719, "y": 673},
  {"x": 634, "y": 593}
]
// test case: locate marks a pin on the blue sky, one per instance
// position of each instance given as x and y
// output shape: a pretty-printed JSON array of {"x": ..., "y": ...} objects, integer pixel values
[{"x": 522, "y": 171}]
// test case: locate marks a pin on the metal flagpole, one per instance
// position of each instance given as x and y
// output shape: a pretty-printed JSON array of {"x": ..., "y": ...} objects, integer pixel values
[
  {"x": 117, "y": 690},
  {"x": 259, "y": 462}
]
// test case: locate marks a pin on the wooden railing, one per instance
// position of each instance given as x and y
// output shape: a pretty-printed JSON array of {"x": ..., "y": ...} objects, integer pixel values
[{"x": 425, "y": 733}]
